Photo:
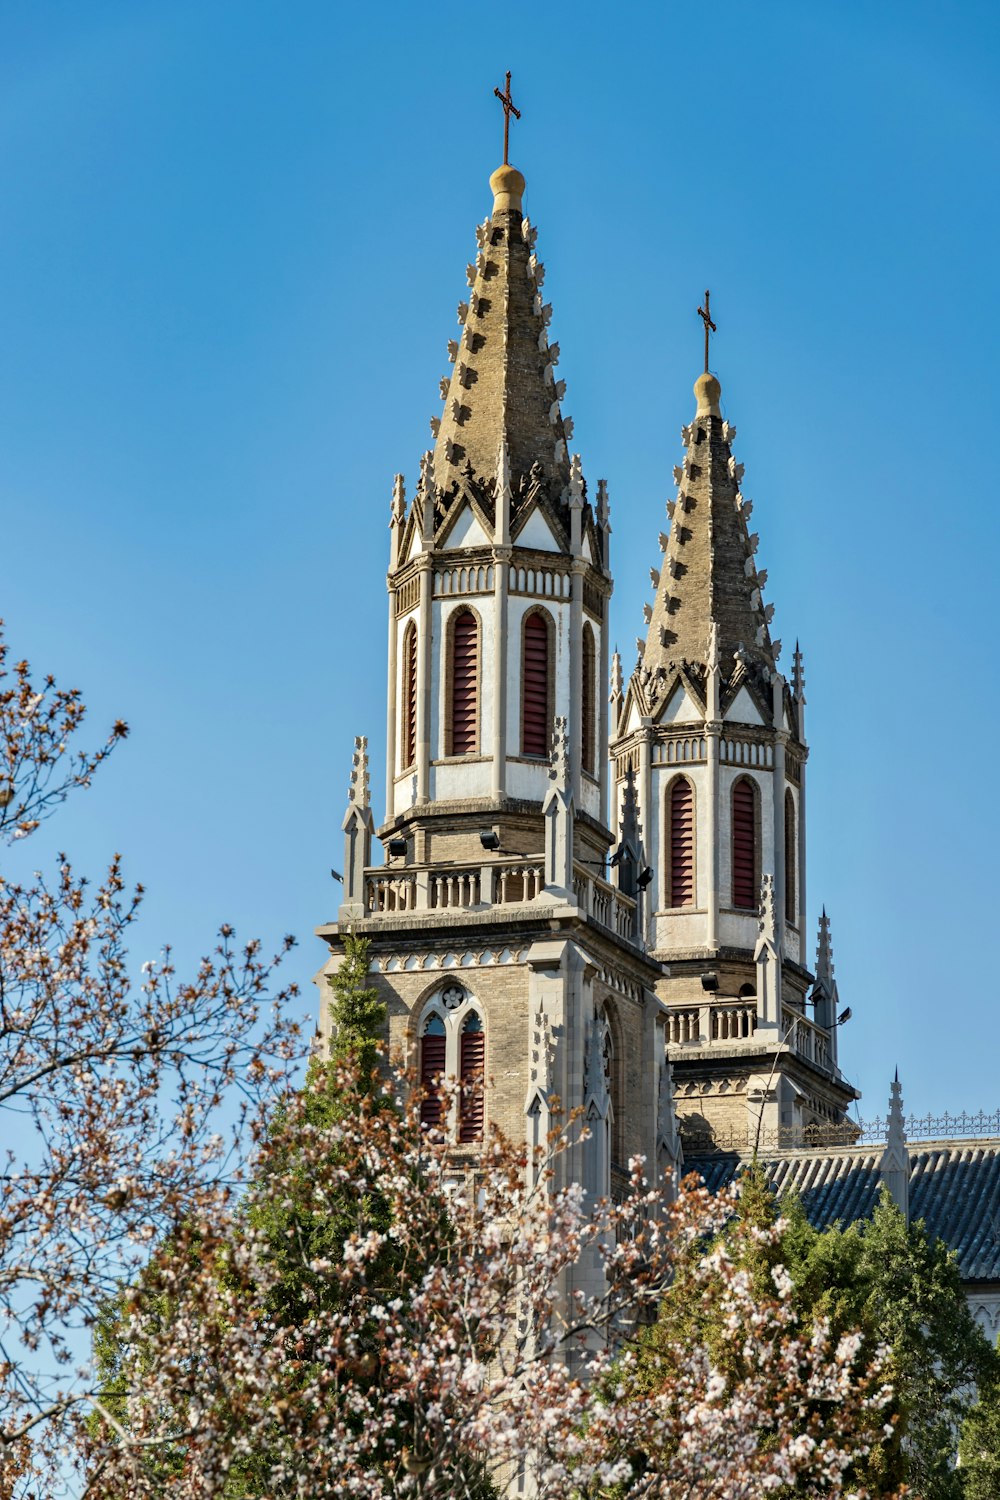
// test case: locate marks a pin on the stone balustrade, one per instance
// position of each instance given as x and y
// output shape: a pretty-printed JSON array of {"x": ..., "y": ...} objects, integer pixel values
[
  {"x": 807, "y": 1039},
  {"x": 733, "y": 1022},
  {"x": 503, "y": 882}
]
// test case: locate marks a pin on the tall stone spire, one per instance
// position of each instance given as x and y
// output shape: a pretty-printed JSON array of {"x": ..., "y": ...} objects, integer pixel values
[
  {"x": 504, "y": 394},
  {"x": 894, "y": 1166},
  {"x": 709, "y": 575}
]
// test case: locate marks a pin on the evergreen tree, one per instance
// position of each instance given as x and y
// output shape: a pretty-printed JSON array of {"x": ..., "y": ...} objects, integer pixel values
[{"x": 895, "y": 1285}]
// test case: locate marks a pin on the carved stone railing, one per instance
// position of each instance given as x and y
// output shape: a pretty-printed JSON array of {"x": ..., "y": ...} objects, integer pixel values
[
  {"x": 684, "y": 1026},
  {"x": 605, "y": 902},
  {"x": 807, "y": 1040},
  {"x": 453, "y": 888},
  {"x": 504, "y": 882},
  {"x": 730, "y": 1023},
  {"x": 390, "y": 890}
]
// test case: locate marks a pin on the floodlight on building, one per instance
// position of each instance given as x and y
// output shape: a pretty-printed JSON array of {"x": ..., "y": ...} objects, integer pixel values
[
  {"x": 490, "y": 840},
  {"x": 397, "y": 848}
]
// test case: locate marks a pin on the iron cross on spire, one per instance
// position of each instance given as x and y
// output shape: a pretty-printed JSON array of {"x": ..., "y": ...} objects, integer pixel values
[
  {"x": 705, "y": 314},
  {"x": 509, "y": 108}
]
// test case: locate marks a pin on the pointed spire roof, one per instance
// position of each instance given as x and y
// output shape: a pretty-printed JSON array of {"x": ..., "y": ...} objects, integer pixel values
[
  {"x": 709, "y": 576},
  {"x": 894, "y": 1166},
  {"x": 503, "y": 395}
]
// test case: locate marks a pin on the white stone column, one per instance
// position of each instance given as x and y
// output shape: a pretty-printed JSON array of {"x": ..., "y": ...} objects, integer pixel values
[
  {"x": 424, "y": 645},
  {"x": 578, "y": 568},
  {"x": 803, "y": 925},
  {"x": 391, "y": 727},
  {"x": 501, "y": 581},
  {"x": 601, "y": 760},
  {"x": 778, "y": 806},
  {"x": 713, "y": 820},
  {"x": 713, "y": 828}
]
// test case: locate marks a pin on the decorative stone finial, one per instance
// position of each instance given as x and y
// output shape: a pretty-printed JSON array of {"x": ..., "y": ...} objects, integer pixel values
[
  {"x": 398, "y": 500},
  {"x": 798, "y": 677},
  {"x": 507, "y": 186},
  {"x": 359, "y": 791},
  {"x": 603, "y": 505},
  {"x": 617, "y": 679},
  {"x": 767, "y": 925},
  {"x": 707, "y": 391},
  {"x": 894, "y": 1167},
  {"x": 824, "y": 952},
  {"x": 713, "y": 646},
  {"x": 576, "y": 485},
  {"x": 559, "y": 766}
]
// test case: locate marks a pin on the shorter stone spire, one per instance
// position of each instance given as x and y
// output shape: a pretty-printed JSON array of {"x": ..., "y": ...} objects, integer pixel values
[
  {"x": 768, "y": 960},
  {"x": 359, "y": 791},
  {"x": 709, "y": 574},
  {"x": 558, "y": 815},
  {"x": 358, "y": 826},
  {"x": 825, "y": 995},
  {"x": 894, "y": 1166}
]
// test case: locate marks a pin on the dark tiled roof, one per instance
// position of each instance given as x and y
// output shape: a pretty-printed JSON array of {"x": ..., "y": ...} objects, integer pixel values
[{"x": 954, "y": 1188}]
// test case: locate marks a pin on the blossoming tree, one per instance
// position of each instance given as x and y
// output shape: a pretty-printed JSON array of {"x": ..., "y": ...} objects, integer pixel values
[{"x": 128, "y": 1100}]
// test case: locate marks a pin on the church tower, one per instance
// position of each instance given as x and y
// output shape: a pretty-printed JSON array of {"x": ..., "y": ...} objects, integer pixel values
[
  {"x": 712, "y": 735},
  {"x": 510, "y": 955}
]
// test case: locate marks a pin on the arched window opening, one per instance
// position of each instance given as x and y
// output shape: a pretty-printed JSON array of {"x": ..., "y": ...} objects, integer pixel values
[
  {"x": 745, "y": 879},
  {"x": 748, "y": 991},
  {"x": 433, "y": 1045},
  {"x": 587, "y": 699},
  {"x": 681, "y": 843},
  {"x": 472, "y": 1063},
  {"x": 408, "y": 716},
  {"x": 536, "y": 728},
  {"x": 464, "y": 717},
  {"x": 790, "y": 850}
]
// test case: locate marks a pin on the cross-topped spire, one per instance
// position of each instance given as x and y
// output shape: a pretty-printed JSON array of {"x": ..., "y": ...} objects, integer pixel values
[
  {"x": 704, "y": 313},
  {"x": 509, "y": 108}
]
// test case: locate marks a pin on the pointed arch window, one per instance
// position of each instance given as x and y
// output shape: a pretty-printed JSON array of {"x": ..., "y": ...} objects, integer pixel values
[
  {"x": 463, "y": 718},
  {"x": 452, "y": 1045},
  {"x": 680, "y": 840},
  {"x": 408, "y": 705},
  {"x": 433, "y": 1059},
  {"x": 589, "y": 728},
  {"x": 790, "y": 853},
  {"x": 472, "y": 1067},
  {"x": 536, "y": 686},
  {"x": 745, "y": 842}
]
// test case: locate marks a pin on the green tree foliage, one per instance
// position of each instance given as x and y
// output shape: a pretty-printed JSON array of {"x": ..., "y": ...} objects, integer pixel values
[{"x": 898, "y": 1287}]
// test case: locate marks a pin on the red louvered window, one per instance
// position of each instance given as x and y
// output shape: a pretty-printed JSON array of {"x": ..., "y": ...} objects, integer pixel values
[
  {"x": 790, "y": 847},
  {"x": 536, "y": 730},
  {"x": 682, "y": 843},
  {"x": 587, "y": 699},
  {"x": 472, "y": 1063},
  {"x": 744, "y": 845},
  {"x": 464, "y": 683},
  {"x": 408, "y": 714},
  {"x": 432, "y": 1064}
]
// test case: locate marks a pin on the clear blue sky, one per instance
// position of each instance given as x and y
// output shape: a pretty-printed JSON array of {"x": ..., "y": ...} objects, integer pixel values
[{"x": 234, "y": 236}]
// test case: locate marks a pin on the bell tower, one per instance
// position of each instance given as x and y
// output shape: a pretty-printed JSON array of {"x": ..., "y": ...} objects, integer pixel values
[
  {"x": 713, "y": 737},
  {"x": 508, "y": 948}
]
